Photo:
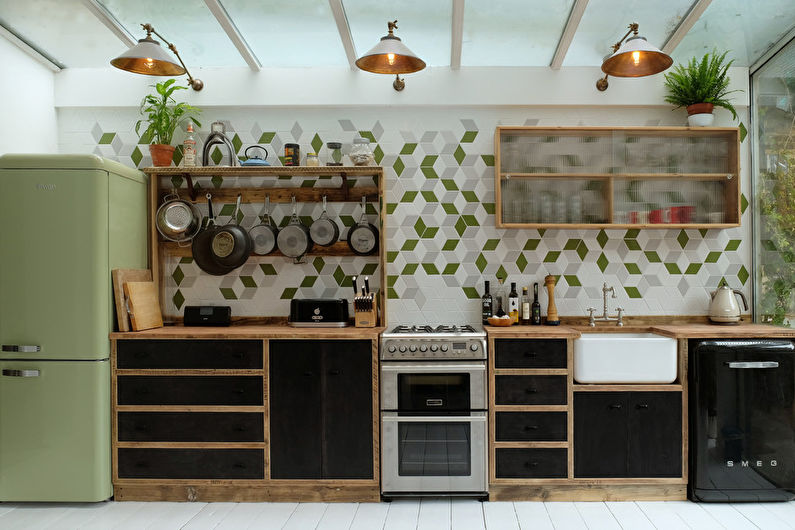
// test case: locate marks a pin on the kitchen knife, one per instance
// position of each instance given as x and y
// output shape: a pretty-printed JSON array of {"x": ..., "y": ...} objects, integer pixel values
[
  {"x": 367, "y": 284},
  {"x": 353, "y": 281}
]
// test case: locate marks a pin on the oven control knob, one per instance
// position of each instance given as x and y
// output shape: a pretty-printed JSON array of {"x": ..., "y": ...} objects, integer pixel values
[
  {"x": 473, "y": 347},
  {"x": 423, "y": 347},
  {"x": 402, "y": 349},
  {"x": 412, "y": 348},
  {"x": 444, "y": 347},
  {"x": 391, "y": 348},
  {"x": 434, "y": 347}
]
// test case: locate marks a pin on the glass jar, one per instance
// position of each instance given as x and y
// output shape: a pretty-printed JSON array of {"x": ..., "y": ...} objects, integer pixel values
[
  {"x": 334, "y": 154},
  {"x": 312, "y": 160},
  {"x": 361, "y": 154}
]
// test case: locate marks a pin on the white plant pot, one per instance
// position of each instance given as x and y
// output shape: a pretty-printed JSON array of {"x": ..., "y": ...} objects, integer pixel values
[{"x": 700, "y": 120}]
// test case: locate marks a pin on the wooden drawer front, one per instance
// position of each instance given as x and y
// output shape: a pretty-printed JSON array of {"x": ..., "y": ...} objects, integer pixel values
[
  {"x": 525, "y": 353},
  {"x": 191, "y": 463},
  {"x": 531, "y": 463},
  {"x": 530, "y": 390},
  {"x": 175, "y": 354},
  {"x": 189, "y": 390},
  {"x": 191, "y": 427},
  {"x": 531, "y": 427}
]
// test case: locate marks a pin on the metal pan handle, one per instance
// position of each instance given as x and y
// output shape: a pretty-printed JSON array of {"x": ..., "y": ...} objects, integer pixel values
[{"x": 210, "y": 218}]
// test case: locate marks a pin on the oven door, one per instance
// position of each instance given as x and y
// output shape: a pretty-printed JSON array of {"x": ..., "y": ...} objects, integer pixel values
[
  {"x": 442, "y": 454},
  {"x": 433, "y": 387}
]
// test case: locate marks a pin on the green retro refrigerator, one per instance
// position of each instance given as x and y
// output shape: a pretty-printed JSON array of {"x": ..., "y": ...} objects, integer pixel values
[{"x": 65, "y": 222}]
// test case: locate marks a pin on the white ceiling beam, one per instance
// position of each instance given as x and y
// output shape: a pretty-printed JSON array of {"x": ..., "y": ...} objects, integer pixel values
[
  {"x": 567, "y": 36},
  {"x": 234, "y": 34},
  {"x": 765, "y": 57},
  {"x": 110, "y": 22},
  {"x": 50, "y": 63},
  {"x": 457, "y": 34},
  {"x": 338, "y": 10},
  {"x": 687, "y": 23}
]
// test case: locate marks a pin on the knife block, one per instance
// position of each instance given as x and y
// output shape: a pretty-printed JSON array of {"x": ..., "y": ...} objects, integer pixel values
[{"x": 365, "y": 311}]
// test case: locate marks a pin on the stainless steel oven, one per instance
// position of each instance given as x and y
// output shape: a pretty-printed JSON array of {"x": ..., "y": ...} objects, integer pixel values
[{"x": 433, "y": 412}]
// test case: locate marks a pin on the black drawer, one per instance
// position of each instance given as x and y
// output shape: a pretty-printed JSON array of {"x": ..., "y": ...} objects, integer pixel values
[
  {"x": 526, "y": 353},
  {"x": 531, "y": 427},
  {"x": 530, "y": 390},
  {"x": 165, "y": 354},
  {"x": 191, "y": 463},
  {"x": 189, "y": 390},
  {"x": 191, "y": 427},
  {"x": 531, "y": 463}
]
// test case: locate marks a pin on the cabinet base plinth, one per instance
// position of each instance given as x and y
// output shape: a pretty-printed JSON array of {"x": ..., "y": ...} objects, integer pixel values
[
  {"x": 226, "y": 493},
  {"x": 588, "y": 492}
]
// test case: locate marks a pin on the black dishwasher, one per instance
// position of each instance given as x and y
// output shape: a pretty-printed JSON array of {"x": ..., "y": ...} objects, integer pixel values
[{"x": 742, "y": 420}]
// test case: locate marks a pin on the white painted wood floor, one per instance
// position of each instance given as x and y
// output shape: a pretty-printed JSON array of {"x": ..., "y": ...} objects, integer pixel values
[{"x": 425, "y": 514}]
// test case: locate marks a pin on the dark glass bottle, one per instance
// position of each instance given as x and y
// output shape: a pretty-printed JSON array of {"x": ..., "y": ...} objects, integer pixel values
[
  {"x": 513, "y": 304},
  {"x": 524, "y": 313},
  {"x": 487, "y": 304},
  {"x": 536, "y": 307}
]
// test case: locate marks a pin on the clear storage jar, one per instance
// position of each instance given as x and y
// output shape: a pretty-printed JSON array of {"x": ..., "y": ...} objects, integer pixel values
[
  {"x": 361, "y": 154},
  {"x": 334, "y": 154}
]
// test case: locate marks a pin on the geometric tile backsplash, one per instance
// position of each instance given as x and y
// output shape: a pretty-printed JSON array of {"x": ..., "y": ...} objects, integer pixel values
[{"x": 441, "y": 239}]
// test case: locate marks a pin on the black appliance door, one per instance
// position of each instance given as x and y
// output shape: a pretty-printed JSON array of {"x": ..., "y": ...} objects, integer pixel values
[{"x": 742, "y": 423}]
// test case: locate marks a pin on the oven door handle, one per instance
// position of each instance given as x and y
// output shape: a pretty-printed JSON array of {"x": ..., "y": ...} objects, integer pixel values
[
  {"x": 433, "y": 419},
  {"x": 440, "y": 367}
]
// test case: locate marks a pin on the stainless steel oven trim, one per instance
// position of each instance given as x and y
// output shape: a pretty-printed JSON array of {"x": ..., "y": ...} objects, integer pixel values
[
  {"x": 391, "y": 482},
  {"x": 476, "y": 371}
]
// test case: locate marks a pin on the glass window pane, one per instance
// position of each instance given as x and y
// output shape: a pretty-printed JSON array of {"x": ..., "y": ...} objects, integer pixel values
[
  {"x": 298, "y": 33},
  {"x": 605, "y": 21},
  {"x": 746, "y": 29},
  {"x": 188, "y": 24},
  {"x": 63, "y": 29},
  {"x": 774, "y": 175},
  {"x": 422, "y": 26},
  {"x": 510, "y": 32}
]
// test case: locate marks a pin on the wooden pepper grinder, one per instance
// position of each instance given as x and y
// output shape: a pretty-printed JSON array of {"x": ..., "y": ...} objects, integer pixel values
[{"x": 552, "y": 311}]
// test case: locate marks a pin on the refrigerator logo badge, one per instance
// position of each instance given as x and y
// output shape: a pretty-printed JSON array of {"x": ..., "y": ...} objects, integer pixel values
[
  {"x": 746, "y": 463},
  {"x": 45, "y": 187}
]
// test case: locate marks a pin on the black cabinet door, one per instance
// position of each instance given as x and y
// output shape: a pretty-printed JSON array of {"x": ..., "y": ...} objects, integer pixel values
[
  {"x": 347, "y": 409},
  {"x": 655, "y": 434},
  {"x": 600, "y": 434},
  {"x": 295, "y": 415}
]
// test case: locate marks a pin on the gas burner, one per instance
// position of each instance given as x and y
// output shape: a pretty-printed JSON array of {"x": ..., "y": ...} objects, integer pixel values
[
  {"x": 413, "y": 329},
  {"x": 454, "y": 329}
]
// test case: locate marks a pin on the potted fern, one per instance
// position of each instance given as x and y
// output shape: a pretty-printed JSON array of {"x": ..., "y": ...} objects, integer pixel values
[
  {"x": 699, "y": 86},
  {"x": 162, "y": 116}
]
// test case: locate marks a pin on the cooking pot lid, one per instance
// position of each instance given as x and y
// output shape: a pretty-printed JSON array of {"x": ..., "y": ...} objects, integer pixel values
[{"x": 292, "y": 241}]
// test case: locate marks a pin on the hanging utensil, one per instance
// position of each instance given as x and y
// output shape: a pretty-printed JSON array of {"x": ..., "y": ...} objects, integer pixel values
[
  {"x": 200, "y": 247},
  {"x": 294, "y": 240},
  {"x": 231, "y": 245},
  {"x": 324, "y": 230},
  {"x": 263, "y": 235},
  {"x": 363, "y": 237},
  {"x": 177, "y": 219}
]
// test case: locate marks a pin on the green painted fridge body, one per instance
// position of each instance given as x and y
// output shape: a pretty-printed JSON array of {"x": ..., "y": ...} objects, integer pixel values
[{"x": 65, "y": 222}]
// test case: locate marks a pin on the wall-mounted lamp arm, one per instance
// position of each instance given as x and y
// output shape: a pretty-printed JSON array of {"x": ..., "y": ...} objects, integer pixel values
[{"x": 196, "y": 84}]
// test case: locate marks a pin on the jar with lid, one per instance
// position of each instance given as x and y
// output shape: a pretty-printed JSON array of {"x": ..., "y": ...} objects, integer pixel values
[
  {"x": 334, "y": 153},
  {"x": 361, "y": 154},
  {"x": 312, "y": 160}
]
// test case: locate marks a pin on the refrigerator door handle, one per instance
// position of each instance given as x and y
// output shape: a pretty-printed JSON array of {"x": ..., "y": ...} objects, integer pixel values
[
  {"x": 21, "y": 373},
  {"x": 750, "y": 364},
  {"x": 23, "y": 348}
]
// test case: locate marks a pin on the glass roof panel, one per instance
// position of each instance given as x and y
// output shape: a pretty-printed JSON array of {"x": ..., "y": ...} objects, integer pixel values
[
  {"x": 188, "y": 24},
  {"x": 297, "y": 33},
  {"x": 510, "y": 32},
  {"x": 63, "y": 29},
  {"x": 423, "y": 26},
  {"x": 606, "y": 21},
  {"x": 746, "y": 28}
]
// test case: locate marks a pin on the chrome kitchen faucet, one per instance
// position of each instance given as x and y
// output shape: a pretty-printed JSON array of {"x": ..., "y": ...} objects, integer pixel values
[
  {"x": 605, "y": 316},
  {"x": 218, "y": 136}
]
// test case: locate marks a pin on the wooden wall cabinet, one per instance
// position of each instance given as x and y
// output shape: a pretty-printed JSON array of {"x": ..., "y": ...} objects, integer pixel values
[{"x": 620, "y": 177}]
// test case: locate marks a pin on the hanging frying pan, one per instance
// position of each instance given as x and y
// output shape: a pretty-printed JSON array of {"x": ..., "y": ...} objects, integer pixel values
[
  {"x": 324, "y": 230},
  {"x": 294, "y": 240},
  {"x": 363, "y": 236},
  {"x": 230, "y": 244},
  {"x": 200, "y": 247},
  {"x": 263, "y": 236}
]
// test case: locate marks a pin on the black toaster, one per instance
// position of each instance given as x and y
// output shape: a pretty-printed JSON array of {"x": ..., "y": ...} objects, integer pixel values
[{"x": 319, "y": 312}]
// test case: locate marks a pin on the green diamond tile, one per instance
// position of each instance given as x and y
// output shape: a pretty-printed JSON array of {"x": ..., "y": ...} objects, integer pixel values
[
  {"x": 288, "y": 293},
  {"x": 743, "y": 203},
  {"x": 308, "y": 281},
  {"x": 178, "y": 275},
  {"x": 419, "y": 227},
  {"x": 228, "y": 293},
  {"x": 391, "y": 294},
  {"x": 470, "y": 220},
  {"x": 186, "y": 259},
  {"x": 176, "y": 181},
  {"x": 409, "y": 269},
  {"x": 237, "y": 143},
  {"x": 489, "y": 207},
  {"x": 743, "y": 131},
  {"x": 347, "y": 220},
  {"x": 712, "y": 257},
  {"x": 652, "y": 256},
  {"x": 398, "y": 166},
  {"x": 136, "y": 156},
  {"x": 177, "y": 156},
  {"x": 531, "y": 244},
  {"x": 551, "y": 256},
  {"x": 450, "y": 268},
  {"x": 572, "y": 280},
  {"x": 339, "y": 275},
  {"x": 469, "y": 196},
  {"x": 693, "y": 268},
  {"x": 521, "y": 262},
  {"x": 429, "y": 160},
  {"x": 572, "y": 244},
  {"x": 409, "y": 244},
  {"x": 107, "y": 138},
  {"x": 347, "y": 282},
  {"x": 430, "y": 269},
  {"x": 633, "y": 292},
  {"x": 501, "y": 273},
  {"x": 178, "y": 299},
  {"x": 266, "y": 137},
  {"x": 368, "y": 135},
  {"x": 673, "y": 268},
  {"x": 429, "y": 196},
  {"x": 316, "y": 143},
  {"x": 449, "y": 185},
  {"x": 318, "y": 263},
  {"x": 450, "y": 244},
  {"x": 430, "y": 232},
  {"x": 391, "y": 279},
  {"x": 226, "y": 210},
  {"x": 703, "y": 232},
  {"x": 469, "y": 137},
  {"x": 602, "y": 262},
  {"x": 481, "y": 262},
  {"x": 459, "y": 154},
  {"x": 682, "y": 238},
  {"x": 602, "y": 238},
  {"x": 391, "y": 256},
  {"x": 369, "y": 269},
  {"x": 217, "y": 181},
  {"x": 491, "y": 244},
  {"x": 449, "y": 208},
  {"x": 460, "y": 226},
  {"x": 408, "y": 149},
  {"x": 378, "y": 154},
  {"x": 488, "y": 160},
  {"x": 632, "y": 268},
  {"x": 429, "y": 173},
  {"x": 582, "y": 250},
  {"x": 248, "y": 281},
  {"x": 632, "y": 233},
  {"x": 541, "y": 232},
  {"x": 391, "y": 207},
  {"x": 471, "y": 293},
  {"x": 268, "y": 269},
  {"x": 409, "y": 196},
  {"x": 742, "y": 275},
  {"x": 632, "y": 244}
]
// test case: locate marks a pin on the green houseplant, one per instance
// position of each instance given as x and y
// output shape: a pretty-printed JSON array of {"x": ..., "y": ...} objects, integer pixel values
[
  {"x": 162, "y": 116},
  {"x": 699, "y": 86}
]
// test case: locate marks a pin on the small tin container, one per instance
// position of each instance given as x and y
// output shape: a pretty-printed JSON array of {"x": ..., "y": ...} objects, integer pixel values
[
  {"x": 292, "y": 155},
  {"x": 312, "y": 160}
]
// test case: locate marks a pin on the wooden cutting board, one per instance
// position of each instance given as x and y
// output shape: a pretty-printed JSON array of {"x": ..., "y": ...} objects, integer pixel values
[
  {"x": 119, "y": 277},
  {"x": 144, "y": 305}
]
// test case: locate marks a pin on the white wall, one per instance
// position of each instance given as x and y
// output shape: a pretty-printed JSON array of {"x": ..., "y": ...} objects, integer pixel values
[{"x": 27, "y": 103}]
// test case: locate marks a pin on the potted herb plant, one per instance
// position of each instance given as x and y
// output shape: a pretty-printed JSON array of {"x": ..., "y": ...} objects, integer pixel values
[
  {"x": 162, "y": 116},
  {"x": 699, "y": 86}
]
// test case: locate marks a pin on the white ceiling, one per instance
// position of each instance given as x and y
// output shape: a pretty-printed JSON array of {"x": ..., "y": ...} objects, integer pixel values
[{"x": 306, "y": 33}]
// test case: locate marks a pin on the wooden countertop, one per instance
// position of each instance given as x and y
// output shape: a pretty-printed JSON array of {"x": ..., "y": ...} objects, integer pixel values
[
  {"x": 265, "y": 331},
  {"x": 532, "y": 332},
  {"x": 677, "y": 331}
]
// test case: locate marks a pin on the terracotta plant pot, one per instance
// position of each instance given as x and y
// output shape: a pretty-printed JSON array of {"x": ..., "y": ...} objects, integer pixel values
[
  {"x": 161, "y": 154},
  {"x": 700, "y": 108},
  {"x": 700, "y": 114}
]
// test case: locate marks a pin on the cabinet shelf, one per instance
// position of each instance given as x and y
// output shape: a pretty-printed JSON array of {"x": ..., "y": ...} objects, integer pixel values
[{"x": 340, "y": 248}]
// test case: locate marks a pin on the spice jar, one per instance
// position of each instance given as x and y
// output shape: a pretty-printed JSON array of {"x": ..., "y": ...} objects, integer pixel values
[
  {"x": 292, "y": 155},
  {"x": 361, "y": 154},
  {"x": 334, "y": 154},
  {"x": 312, "y": 160}
]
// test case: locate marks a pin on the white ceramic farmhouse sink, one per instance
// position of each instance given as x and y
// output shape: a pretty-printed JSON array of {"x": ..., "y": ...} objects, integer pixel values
[{"x": 625, "y": 358}]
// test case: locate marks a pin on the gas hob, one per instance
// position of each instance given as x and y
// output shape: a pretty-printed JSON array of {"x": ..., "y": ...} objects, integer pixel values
[{"x": 431, "y": 343}]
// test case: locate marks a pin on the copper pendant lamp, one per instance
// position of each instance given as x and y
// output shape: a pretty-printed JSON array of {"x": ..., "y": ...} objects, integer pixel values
[
  {"x": 391, "y": 56},
  {"x": 633, "y": 57}
]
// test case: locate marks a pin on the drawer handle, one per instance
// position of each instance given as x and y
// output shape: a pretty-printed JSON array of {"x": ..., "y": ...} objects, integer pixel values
[
  {"x": 643, "y": 406},
  {"x": 531, "y": 391},
  {"x": 239, "y": 465},
  {"x": 334, "y": 372},
  {"x": 240, "y": 428},
  {"x": 615, "y": 406},
  {"x": 531, "y": 427},
  {"x": 239, "y": 391},
  {"x": 531, "y": 354},
  {"x": 531, "y": 464},
  {"x": 308, "y": 374}
]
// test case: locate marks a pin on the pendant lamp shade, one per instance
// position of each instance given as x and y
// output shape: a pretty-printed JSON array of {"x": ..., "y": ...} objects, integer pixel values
[
  {"x": 391, "y": 56},
  {"x": 636, "y": 58},
  {"x": 148, "y": 58}
]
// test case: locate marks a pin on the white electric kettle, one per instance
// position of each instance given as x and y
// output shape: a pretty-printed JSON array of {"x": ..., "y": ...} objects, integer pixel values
[{"x": 724, "y": 308}]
